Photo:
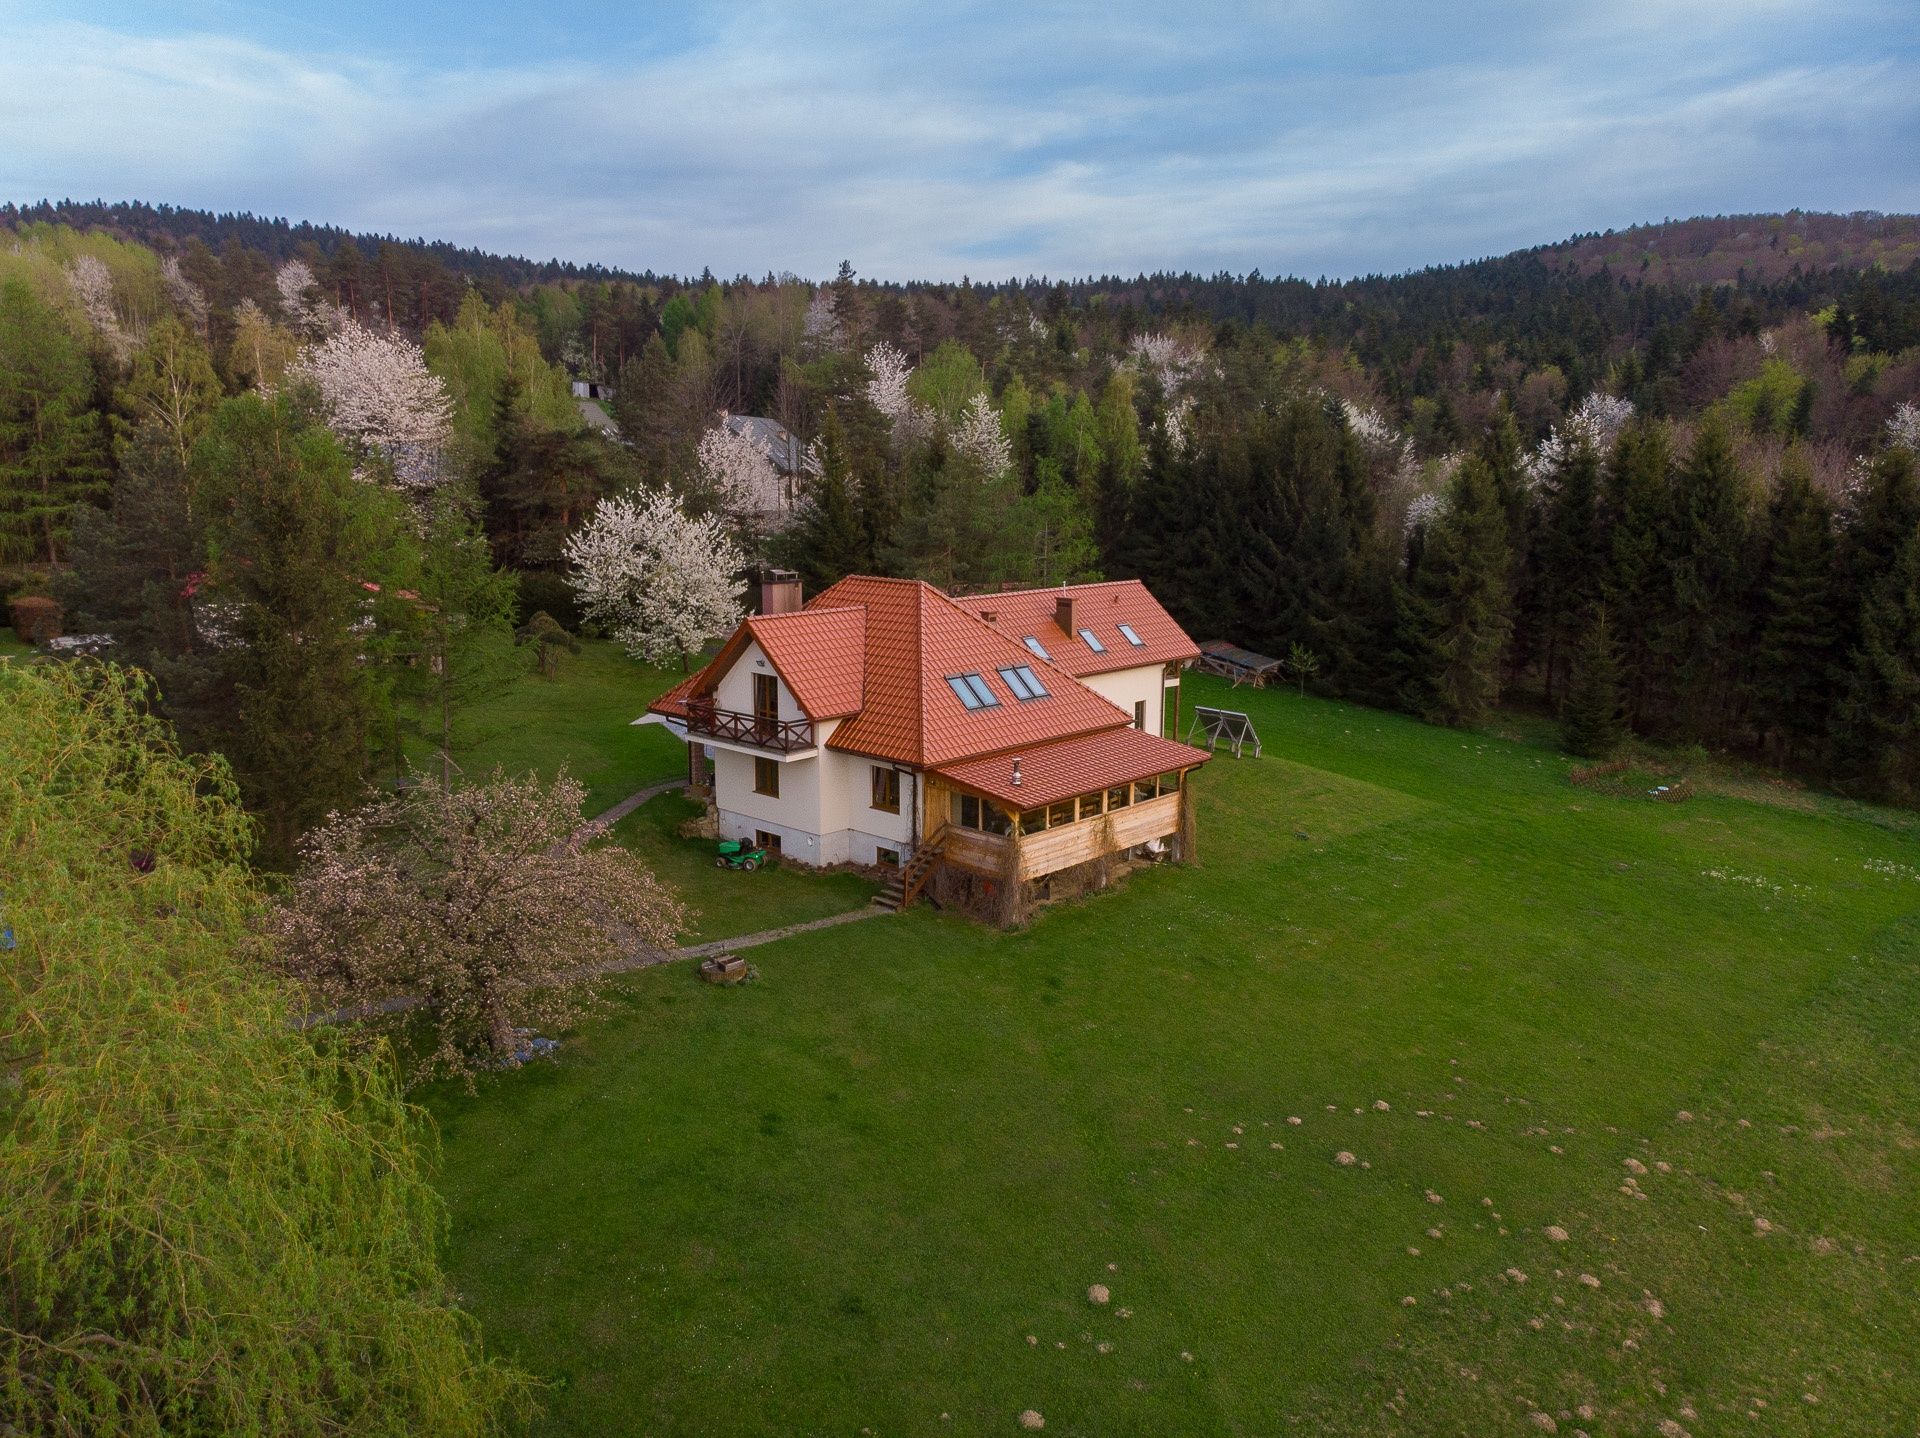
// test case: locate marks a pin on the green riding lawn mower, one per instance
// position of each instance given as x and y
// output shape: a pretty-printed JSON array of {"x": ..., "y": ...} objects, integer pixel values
[{"x": 740, "y": 854}]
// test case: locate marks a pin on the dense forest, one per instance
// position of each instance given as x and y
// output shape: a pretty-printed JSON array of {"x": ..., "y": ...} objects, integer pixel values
[{"x": 1659, "y": 481}]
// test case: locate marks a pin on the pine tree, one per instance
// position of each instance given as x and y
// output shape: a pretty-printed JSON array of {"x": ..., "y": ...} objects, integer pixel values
[
  {"x": 1453, "y": 611},
  {"x": 1799, "y": 627},
  {"x": 1635, "y": 585},
  {"x": 52, "y": 451},
  {"x": 1590, "y": 719}
]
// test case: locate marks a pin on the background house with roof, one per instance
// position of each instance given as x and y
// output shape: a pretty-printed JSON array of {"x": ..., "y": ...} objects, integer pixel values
[{"x": 886, "y": 722}]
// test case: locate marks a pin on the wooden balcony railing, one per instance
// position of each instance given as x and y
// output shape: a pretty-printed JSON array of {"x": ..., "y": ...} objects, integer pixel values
[{"x": 762, "y": 732}]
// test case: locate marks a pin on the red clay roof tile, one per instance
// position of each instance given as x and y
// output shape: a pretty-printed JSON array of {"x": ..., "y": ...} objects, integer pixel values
[
  {"x": 877, "y": 654},
  {"x": 1063, "y": 768},
  {"x": 916, "y": 638},
  {"x": 1103, "y": 608}
]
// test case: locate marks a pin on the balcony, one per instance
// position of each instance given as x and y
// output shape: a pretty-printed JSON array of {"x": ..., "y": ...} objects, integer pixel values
[{"x": 759, "y": 730}]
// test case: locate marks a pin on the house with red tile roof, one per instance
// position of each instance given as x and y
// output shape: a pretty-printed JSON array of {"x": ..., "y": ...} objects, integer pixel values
[{"x": 1002, "y": 736}]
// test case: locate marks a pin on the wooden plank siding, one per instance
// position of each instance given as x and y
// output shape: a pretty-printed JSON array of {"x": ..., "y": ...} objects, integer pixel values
[{"x": 1062, "y": 847}]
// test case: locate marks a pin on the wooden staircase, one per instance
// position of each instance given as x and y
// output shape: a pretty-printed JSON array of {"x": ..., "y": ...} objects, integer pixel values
[{"x": 905, "y": 886}]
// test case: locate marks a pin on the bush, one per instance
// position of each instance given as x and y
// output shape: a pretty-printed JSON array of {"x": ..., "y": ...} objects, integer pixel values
[
  {"x": 213, "y": 1223},
  {"x": 547, "y": 591},
  {"x": 36, "y": 619}
]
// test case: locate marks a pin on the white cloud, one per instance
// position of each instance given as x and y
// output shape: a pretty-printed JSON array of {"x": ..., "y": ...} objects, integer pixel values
[{"x": 1312, "y": 145}]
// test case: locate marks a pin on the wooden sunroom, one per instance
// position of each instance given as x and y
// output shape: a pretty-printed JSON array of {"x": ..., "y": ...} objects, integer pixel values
[{"x": 1059, "y": 805}]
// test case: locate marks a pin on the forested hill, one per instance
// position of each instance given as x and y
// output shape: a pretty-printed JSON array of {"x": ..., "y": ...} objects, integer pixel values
[
  {"x": 168, "y": 227},
  {"x": 1718, "y": 249}
]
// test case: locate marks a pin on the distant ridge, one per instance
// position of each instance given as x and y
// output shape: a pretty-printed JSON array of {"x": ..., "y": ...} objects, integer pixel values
[{"x": 1709, "y": 250}]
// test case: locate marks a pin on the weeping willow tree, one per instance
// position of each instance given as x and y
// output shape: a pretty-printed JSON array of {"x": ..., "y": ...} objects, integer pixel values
[{"x": 212, "y": 1224}]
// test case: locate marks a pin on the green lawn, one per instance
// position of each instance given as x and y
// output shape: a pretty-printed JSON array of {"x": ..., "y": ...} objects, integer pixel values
[
  {"x": 581, "y": 719},
  {"x": 870, "y": 1191},
  {"x": 728, "y": 901},
  {"x": 12, "y": 646}
]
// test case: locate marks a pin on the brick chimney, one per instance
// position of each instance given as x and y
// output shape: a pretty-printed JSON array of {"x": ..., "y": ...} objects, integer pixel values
[
  {"x": 1063, "y": 613},
  {"x": 779, "y": 591}
]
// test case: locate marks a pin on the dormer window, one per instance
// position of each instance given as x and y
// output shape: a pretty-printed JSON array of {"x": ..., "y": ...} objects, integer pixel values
[
  {"x": 1024, "y": 683},
  {"x": 1126, "y": 633},
  {"x": 1036, "y": 646},
  {"x": 971, "y": 690},
  {"x": 1093, "y": 641}
]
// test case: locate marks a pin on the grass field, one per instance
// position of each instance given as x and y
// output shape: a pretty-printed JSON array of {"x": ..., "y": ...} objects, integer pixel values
[
  {"x": 726, "y": 901},
  {"x": 1563, "y": 1035},
  {"x": 580, "y": 719}
]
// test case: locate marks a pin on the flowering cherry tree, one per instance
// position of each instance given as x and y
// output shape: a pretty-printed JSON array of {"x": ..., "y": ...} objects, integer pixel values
[
  {"x": 301, "y": 302},
  {"x": 92, "y": 285},
  {"x": 1168, "y": 358},
  {"x": 1903, "y": 427},
  {"x": 381, "y": 398},
  {"x": 821, "y": 327},
  {"x": 887, "y": 392},
  {"x": 660, "y": 581},
  {"x": 187, "y": 297},
  {"x": 736, "y": 467},
  {"x": 1596, "y": 423},
  {"x": 477, "y": 901},
  {"x": 978, "y": 436}
]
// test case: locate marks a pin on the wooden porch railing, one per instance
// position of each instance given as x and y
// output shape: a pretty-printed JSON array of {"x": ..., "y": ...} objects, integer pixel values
[{"x": 759, "y": 730}]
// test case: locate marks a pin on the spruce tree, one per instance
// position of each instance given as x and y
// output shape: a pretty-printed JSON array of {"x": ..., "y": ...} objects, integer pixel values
[
  {"x": 1799, "y": 626},
  {"x": 1709, "y": 576},
  {"x": 1590, "y": 719},
  {"x": 1635, "y": 585},
  {"x": 294, "y": 544},
  {"x": 1880, "y": 721},
  {"x": 1571, "y": 554},
  {"x": 456, "y": 628},
  {"x": 827, "y": 541},
  {"x": 133, "y": 571},
  {"x": 1454, "y": 621}
]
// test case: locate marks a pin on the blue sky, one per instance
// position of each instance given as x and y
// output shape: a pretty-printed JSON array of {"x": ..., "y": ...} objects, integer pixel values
[{"x": 930, "y": 142}]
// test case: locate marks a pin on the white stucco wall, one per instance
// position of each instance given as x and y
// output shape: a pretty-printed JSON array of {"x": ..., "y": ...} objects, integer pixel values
[
  {"x": 824, "y": 813},
  {"x": 1126, "y": 687},
  {"x": 735, "y": 689}
]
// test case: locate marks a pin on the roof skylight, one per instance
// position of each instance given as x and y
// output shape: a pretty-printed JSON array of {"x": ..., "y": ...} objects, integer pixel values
[{"x": 971, "y": 690}]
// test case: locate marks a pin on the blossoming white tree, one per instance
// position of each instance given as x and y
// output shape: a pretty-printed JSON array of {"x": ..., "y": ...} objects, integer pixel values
[
  {"x": 185, "y": 294},
  {"x": 821, "y": 328},
  {"x": 305, "y": 310},
  {"x": 478, "y": 900},
  {"x": 1596, "y": 423},
  {"x": 978, "y": 435},
  {"x": 381, "y": 398},
  {"x": 660, "y": 581},
  {"x": 1903, "y": 427},
  {"x": 92, "y": 284},
  {"x": 738, "y": 470},
  {"x": 887, "y": 392},
  {"x": 1169, "y": 358}
]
